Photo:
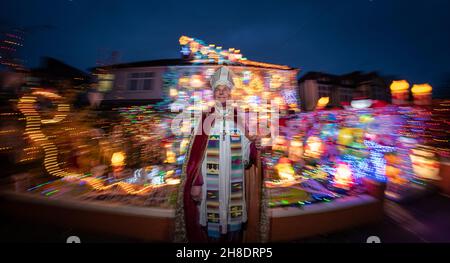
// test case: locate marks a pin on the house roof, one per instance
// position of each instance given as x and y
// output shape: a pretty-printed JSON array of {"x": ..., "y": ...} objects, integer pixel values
[
  {"x": 185, "y": 62},
  {"x": 349, "y": 79}
]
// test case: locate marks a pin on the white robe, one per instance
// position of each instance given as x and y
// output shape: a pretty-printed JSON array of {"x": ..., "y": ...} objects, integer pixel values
[{"x": 224, "y": 168}]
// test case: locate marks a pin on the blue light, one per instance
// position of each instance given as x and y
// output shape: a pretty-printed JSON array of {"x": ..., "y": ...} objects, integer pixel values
[{"x": 185, "y": 51}]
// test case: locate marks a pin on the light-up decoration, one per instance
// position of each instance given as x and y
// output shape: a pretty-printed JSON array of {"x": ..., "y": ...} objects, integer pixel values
[
  {"x": 425, "y": 164},
  {"x": 47, "y": 94},
  {"x": 422, "y": 94},
  {"x": 171, "y": 156},
  {"x": 256, "y": 85},
  {"x": 278, "y": 100},
  {"x": 296, "y": 149},
  {"x": 156, "y": 176},
  {"x": 185, "y": 51},
  {"x": 204, "y": 53},
  {"x": 173, "y": 181},
  {"x": 173, "y": 92},
  {"x": 249, "y": 81},
  {"x": 421, "y": 88},
  {"x": 399, "y": 91},
  {"x": 118, "y": 159},
  {"x": 276, "y": 81},
  {"x": 393, "y": 172},
  {"x": 209, "y": 72},
  {"x": 323, "y": 102},
  {"x": 184, "y": 81},
  {"x": 290, "y": 97},
  {"x": 184, "y": 40},
  {"x": 314, "y": 147},
  {"x": 246, "y": 76},
  {"x": 196, "y": 81},
  {"x": 366, "y": 118},
  {"x": 27, "y": 106},
  {"x": 399, "y": 86},
  {"x": 361, "y": 104},
  {"x": 329, "y": 131},
  {"x": 343, "y": 178},
  {"x": 352, "y": 137},
  {"x": 252, "y": 101},
  {"x": 377, "y": 158},
  {"x": 183, "y": 145},
  {"x": 285, "y": 170},
  {"x": 280, "y": 144},
  {"x": 266, "y": 142},
  {"x": 266, "y": 95},
  {"x": 33, "y": 129}
]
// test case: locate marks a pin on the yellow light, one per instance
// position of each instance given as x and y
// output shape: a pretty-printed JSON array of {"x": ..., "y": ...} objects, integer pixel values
[
  {"x": 295, "y": 150},
  {"x": 313, "y": 147},
  {"x": 343, "y": 176},
  {"x": 194, "y": 46},
  {"x": 265, "y": 141},
  {"x": 171, "y": 157},
  {"x": 172, "y": 181},
  {"x": 399, "y": 86},
  {"x": 184, "y": 40},
  {"x": 196, "y": 81},
  {"x": 183, "y": 145},
  {"x": 285, "y": 170},
  {"x": 322, "y": 102},
  {"x": 183, "y": 81},
  {"x": 278, "y": 100},
  {"x": 266, "y": 95},
  {"x": 421, "y": 89},
  {"x": 296, "y": 144},
  {"x": 47, "y": 94},
  {"x": 118, "y": 159},
  {"x": 173, "y": 92},
  {"x": 276, "y": 81}
]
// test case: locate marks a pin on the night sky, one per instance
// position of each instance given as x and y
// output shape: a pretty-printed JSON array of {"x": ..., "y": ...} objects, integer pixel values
[{"x": 408, "y": 39}]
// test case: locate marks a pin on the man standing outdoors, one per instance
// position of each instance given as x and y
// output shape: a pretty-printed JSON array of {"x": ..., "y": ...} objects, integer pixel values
[{"x": 211, "y": 202}]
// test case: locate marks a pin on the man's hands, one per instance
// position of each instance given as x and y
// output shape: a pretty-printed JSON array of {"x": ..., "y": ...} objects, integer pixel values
[
  {"x": 256, "y": 139},
  {"x": 196, "y": 193}
]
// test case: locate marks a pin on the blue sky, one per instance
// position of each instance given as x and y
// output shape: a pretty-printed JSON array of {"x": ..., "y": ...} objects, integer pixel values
[{"x": 409, "y": 39}]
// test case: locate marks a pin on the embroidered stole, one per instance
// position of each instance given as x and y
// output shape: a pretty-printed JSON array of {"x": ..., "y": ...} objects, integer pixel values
[{"x": 236, "y": 200}]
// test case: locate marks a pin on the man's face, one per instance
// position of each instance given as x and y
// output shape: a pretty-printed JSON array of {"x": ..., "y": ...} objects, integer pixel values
[{"x": 222, "y": 93}]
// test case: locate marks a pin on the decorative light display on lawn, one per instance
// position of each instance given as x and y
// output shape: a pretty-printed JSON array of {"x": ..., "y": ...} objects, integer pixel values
[{"x": 33, "y": 130}]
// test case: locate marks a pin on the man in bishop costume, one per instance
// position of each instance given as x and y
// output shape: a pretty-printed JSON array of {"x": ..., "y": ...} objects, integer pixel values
[{"x": 211, "y": 202}]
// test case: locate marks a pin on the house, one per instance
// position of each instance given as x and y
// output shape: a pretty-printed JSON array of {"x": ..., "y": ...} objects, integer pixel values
[
  {"x": 186, "y": 78},
  {"x": 341, "y": 89}
]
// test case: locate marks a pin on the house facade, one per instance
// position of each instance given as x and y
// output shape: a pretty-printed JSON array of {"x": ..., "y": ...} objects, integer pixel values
[{"x": 341, "y": 89}]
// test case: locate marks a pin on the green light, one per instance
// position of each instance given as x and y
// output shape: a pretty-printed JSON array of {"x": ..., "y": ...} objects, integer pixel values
[{"x": 52, "y": 192}]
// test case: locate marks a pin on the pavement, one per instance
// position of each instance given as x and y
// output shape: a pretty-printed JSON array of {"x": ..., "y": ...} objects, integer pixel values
[{"x": 426, "y": 220}]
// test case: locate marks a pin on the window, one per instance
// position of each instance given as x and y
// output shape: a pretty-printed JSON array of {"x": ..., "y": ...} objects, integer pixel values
[
  {"x": 345, "y": 94},
  {"x": 105, "y": 82},
  {"x": 147, "y": 84},
  {"x": 140, "y": 81},
  {"x": 324, "y": 91},
  {"x": 133, "y": 84}
]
